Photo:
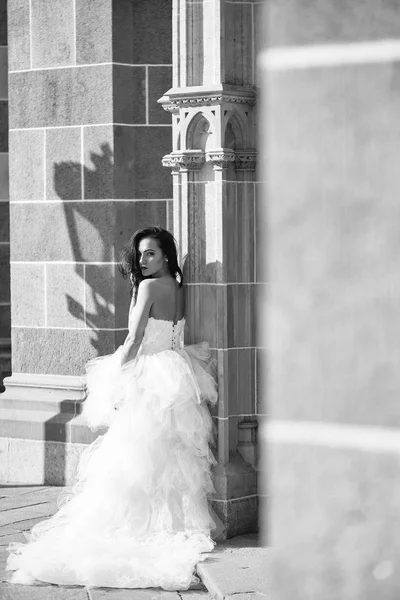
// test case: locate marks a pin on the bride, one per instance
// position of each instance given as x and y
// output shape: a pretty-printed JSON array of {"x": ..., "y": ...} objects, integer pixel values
[{"x": 138, "y": 514}]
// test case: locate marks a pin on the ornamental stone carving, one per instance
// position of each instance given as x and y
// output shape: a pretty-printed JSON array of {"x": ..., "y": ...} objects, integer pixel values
[
  {"x": 245, "y": 160},
  {"x": 187, "y": 160},
  {"x": 174, "y": 100},
  {"x": 220, "y": 158}
]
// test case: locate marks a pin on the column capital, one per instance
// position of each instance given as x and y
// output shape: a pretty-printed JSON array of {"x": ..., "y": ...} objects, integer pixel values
[
  {"x": 220, "y": 158},
  {"x": 186, "y": 160},
  {"x": 245, "y": 160}
]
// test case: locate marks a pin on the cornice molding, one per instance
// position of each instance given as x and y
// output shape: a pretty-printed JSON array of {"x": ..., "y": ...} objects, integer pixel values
[
  {"x": 197, "y": 96},
  {"x": 220, "y": 158}
]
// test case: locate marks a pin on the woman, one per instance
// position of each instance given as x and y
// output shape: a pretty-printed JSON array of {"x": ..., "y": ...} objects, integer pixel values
[{"x": 138, "y": 514}]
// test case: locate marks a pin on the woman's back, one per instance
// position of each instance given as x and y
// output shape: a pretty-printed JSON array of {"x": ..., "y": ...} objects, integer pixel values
[{"x": 168, "y": 300}]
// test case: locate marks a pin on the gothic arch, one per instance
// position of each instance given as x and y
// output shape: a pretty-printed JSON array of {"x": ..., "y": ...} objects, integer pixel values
[
  {"x": 235, "y": 133},
  {"x": 197, "y": 132}
]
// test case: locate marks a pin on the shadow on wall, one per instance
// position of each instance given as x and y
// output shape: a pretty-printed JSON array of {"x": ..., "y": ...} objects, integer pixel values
[
  {"x": 84, "y": 219},
  {"x": 80, "y": 217}
]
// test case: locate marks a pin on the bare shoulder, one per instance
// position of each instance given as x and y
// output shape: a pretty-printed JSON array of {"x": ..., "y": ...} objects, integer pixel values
[{"x": 147, "y": 286}]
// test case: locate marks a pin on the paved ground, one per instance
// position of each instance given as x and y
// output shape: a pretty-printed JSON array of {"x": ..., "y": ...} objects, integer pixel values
[{"x": 236, "y": 569}]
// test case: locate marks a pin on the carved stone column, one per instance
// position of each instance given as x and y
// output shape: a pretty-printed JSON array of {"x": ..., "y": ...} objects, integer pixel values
[{"x": 213, "y": 158}]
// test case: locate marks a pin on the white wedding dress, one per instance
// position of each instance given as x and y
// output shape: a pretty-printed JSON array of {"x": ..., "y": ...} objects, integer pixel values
[{"x": 138, "y": 515}]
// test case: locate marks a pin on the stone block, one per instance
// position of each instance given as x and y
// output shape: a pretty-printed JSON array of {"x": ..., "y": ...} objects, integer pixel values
[
  {"x": 233, "y": 424},
  {"x": 238, "y": 232},
  {"x": 3, "y": 23},
  {"x": 260, "y": 15},
  {"x": 122, "y": 304},
  {"x": 138, "y": 28},
  {"x": 63, "y": 164},
  {"x": 36, "y": 424},
  {"x": 225, "y": 380},
  {"x": 4, "y": 222},
  {"x": 58, "y": 97},
  {"x": 58, "y": 351},
  {"x": 261, "y": 244},
  {"x": 238, "y": 38},
  {"x": 333, "y": 236},
  {"x": 138, "y": 152},
  {"x": 28, "y": 295},
  {"x": 52, "y": 33},
  {"x": 26, "y": 165},
  {"x": 100, "y": 296},
  {"x": 3, "y": 72},
  {"x": 132, "y": 215},
  {"x": 206, "y": 314},
  {"x": 241, "y": 315},
  {"x": 3, "y": 126},
  {"x": 160, "y": 80},
  {"x": 30, "y": 461},
  {"x": 93, "y": 32},
  {"x": 261, "y": 380},
  {"x": 65, "y": 295},
  {"x": 4, "y": 177},
  {"x": 91, "y": 231},
  {"x": 4, "y": 273},
  {"x": 204, "y": 261},
  {"x": 129, "y": 94},
  {"x": 170, "y": 215},
  {"x": 85, "y": 231},
  {"x": 18, "y": 34},
  {"x": 199, "y": 29},
  {"x": 5, "y": 321},
  {"x": 80, "y": 432},
  {"x": 245, "y": 382},
  {"x": 98, "y": 162},
  {"x": 238, "y": 516},
  {"x": 333, "y": 514},
  {"x": 304, "y": 22}
]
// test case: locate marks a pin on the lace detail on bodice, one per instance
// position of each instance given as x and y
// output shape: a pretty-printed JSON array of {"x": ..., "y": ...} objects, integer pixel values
[{"x": 162, "y": 335}]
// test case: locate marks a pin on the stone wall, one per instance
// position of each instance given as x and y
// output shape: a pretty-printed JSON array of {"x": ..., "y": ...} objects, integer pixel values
[
  {"x": 86, "y": 132},
  {"x": 86, "y": 140},
  {"x": 5, "y": 317}
]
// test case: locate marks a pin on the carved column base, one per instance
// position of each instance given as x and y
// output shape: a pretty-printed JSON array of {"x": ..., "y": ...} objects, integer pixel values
[{"x": 236, "y": 500}]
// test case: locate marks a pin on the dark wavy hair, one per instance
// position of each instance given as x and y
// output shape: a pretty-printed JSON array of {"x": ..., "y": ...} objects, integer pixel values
[{"x": 128, "y": 262}]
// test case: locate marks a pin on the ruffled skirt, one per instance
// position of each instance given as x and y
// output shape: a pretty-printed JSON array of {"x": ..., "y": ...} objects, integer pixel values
[{"x": 138, "y": 515}]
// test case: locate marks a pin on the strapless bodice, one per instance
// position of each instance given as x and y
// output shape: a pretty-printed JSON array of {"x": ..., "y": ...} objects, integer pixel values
[{"x": 162, "y": 335}]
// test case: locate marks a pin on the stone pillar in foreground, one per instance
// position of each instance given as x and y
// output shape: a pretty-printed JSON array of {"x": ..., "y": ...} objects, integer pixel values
[
  {"x": 212, "y": 103},
  {"x": 86, "y": 141},
  {"x": 331, "y": 125},
  {"x": 5, "y": 317}
]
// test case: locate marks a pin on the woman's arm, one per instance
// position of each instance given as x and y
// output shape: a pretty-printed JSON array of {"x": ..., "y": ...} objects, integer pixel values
[{"x": 138, "y": 321}]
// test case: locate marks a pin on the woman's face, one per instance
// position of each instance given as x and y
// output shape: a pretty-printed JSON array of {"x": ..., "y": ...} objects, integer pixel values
[{"x": 151, "y": 258}]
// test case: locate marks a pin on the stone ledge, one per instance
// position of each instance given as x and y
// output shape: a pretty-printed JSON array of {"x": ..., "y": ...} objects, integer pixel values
[
  {"x": 45, "y": 425},
  {"x": 236, "y": 569}
]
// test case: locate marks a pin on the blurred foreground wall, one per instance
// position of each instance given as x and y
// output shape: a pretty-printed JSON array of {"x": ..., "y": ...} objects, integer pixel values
[{"x": 331, "y": 219}]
